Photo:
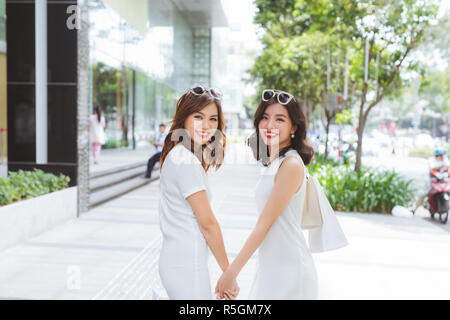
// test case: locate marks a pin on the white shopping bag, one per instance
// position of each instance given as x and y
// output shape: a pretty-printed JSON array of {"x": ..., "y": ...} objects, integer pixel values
[{"x": 319, "y": 218}]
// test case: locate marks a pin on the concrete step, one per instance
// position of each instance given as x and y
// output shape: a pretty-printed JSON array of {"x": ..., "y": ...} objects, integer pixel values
[
  {"x": 105, "y": 181},
  {"x": 108, "y": 193},
  {"x": 109, "y": 184},
  {"x": 98, "y": 174}
]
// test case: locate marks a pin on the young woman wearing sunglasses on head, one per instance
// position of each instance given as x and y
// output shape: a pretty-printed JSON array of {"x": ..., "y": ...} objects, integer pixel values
[
  {"x": 285, "y": 265},
  {"x": 195, "y": 143}
]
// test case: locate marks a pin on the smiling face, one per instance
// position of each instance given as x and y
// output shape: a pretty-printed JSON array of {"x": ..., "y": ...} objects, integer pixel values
[
  {"x": 276, "y": 126},
  {"x": 202, "y": 125}
]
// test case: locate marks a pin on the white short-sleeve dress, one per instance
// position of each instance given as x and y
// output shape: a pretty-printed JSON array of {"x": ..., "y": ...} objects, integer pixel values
[{"x": 183, "y": 262}]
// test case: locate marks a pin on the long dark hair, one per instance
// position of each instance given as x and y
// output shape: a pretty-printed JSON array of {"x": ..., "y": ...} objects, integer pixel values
[
  {"x": 298, "y": 143},
  {"x": 186, "y": 105},
  {"x": 98, "y": 111}
]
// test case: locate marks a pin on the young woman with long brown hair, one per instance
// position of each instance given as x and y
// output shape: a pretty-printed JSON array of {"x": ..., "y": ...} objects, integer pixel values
[
  {"x": 195, "y": 143},
  {"x": 285, "y": 265}
]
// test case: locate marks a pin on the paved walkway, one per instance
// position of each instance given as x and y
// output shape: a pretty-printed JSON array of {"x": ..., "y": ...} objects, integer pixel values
[{"x": 111, "y": 252}]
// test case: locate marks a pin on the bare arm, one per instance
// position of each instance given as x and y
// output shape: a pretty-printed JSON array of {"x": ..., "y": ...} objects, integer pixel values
[
  {"x": 287, "y": 182},
  {"x": 209, "y": 226}
]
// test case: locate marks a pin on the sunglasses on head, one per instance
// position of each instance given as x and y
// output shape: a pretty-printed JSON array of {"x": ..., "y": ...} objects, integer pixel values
[
  {"x": 282, "y": 97},
  {"x": 199, "y": 90}
]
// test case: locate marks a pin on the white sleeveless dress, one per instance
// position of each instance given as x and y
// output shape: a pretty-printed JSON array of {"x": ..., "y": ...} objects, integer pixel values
[{"x": 285, "y": 265}]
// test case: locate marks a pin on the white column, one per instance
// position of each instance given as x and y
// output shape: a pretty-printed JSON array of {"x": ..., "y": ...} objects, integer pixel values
[{"x": 41, "y": 80}]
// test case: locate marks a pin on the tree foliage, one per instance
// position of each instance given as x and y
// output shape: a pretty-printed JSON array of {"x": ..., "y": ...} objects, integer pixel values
[
  {"x": 436, "y": 91},
  {"x": 303, "y": 34}
]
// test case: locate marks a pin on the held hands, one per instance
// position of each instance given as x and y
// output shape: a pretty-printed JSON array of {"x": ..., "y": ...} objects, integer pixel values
[{"x": 227, "y": 287}]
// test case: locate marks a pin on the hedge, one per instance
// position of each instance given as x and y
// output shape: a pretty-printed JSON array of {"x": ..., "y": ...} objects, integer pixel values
[
  {"x": 23, "y": 185},
  {"x": 369, "y": 190}
]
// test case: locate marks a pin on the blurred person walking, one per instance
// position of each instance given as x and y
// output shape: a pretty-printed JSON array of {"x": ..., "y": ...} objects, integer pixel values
[
  {"x": 97, "y": 132},
  {"x": 159, "y": 144},
  {"x": 125, "y": 120}
]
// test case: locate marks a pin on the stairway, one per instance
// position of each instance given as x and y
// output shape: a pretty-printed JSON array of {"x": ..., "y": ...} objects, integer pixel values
[{"x": 109, "y": 184}]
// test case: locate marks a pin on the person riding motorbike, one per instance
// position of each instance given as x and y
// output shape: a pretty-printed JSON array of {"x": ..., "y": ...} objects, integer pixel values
[
  {"x": 438, "y": 161},
  {"x": 435, "y": 163}
]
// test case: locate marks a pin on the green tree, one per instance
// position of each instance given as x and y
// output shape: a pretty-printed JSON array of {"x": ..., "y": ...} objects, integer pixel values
[
  {"x": 389, "y": 31},
  {"x": 386, "y": 30},
  {"x": 435, "y": 89},
  {"x": 105, "y": 85}
]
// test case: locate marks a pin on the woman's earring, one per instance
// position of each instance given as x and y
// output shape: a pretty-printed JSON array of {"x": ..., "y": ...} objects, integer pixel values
[{"x": 292, "y": 135}]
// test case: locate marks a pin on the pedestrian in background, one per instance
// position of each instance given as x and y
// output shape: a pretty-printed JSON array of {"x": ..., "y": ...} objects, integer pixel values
[
  {"x": 159, "y": 144},
  {"x": 97, "y": 132}
]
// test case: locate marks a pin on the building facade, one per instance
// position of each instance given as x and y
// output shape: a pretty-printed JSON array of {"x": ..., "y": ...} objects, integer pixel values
[{"x": 131, "y": 58}]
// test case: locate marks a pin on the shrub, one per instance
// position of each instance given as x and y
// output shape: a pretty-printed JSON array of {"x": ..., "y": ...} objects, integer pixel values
[
  {"x": 369, "y": 190},
  {"x": 8, "y": 193},
  {"x": 28, "y": 184},
  {"x": 318, "y": 160},
  {"x": 113, "y": 144}
]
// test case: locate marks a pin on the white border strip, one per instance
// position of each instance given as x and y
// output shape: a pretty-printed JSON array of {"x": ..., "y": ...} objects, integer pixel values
[{"x": 41, "y": 81}]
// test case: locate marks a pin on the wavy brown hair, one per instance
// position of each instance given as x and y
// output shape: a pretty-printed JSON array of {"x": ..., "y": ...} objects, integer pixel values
[
  {"x": 299, "y": 142},
  {"x": 186, "y": 105}
]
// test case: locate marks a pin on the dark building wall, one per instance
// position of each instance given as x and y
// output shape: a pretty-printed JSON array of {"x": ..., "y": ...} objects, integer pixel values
[
  {"x": 61, "y": 94},
  {"x": 20, "y": 80},
  {"x": 62, "y": 85}
]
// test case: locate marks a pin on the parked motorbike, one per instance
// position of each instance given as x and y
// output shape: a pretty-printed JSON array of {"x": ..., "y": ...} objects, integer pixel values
[{"x": 438, "y": 198}]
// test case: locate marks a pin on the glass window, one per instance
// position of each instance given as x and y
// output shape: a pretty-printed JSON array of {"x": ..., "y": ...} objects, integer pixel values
[
  {"x": 110, "y": 87},
  {"x": 159, "y": 61}
]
